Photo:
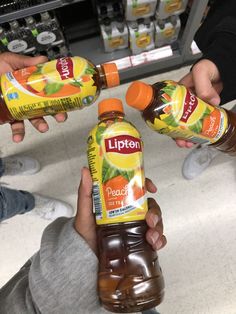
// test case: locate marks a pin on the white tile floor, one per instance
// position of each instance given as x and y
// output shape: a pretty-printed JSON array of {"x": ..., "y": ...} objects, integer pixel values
[{"x": 199, "y": 262}]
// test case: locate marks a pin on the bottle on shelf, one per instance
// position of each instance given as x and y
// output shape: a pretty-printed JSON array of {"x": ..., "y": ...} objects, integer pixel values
[
  {"x": 167, "y": 31},
  {"x": 3, "y": 40},
  {"x": 61, "y": 85},
  {"x": 129, "y": 275},
  {"x": 135, "y": 9},
  {"x": 166, "y": 8},
  {"x": 171, "y": 109},
  {"x": 141, "y": 36}
]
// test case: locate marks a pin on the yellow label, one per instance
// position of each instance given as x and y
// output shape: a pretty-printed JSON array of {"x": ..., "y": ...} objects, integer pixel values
[
  {"x": 141, "y": 9},
  {"x": 173, "y": 5},
  {"x": 116, "y": 42},
  {"x": 169, "y": 32},
  {"x": 143, "y": 40},
  {"x": 183, "y": 115},
  {"x": 116, "y": 164},
  {"x": 56, "y": 86}
]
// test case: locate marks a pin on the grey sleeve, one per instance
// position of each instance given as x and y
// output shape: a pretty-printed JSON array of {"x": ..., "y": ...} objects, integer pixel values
[{"x": 60, "y": 279}]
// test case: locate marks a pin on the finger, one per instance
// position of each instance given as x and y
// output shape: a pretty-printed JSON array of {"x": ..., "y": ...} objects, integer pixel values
[
  {"x": 187, "y": 81},
  {"x": 20, "y": 61},
  {"x": 203, "y": 86},
  {"x": 160, "y": 243},
  {"x": 150, "y": 186},
  {"x": 18, "y": 131},
  {"x": 183, "y": 143},
  {"x": 40, "y": 124},
  {"x": 85, "y": 203},
  {"x": 60, "y": 117},
  {"x": 153, "y": 216}
]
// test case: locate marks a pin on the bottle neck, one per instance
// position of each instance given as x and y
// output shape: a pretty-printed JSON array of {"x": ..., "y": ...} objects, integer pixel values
[
  {"x": 102, "y": 75},
  {"x": 111, "y": 115}
]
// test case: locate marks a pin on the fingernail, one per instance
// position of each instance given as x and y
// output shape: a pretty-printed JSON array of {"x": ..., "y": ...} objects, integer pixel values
[
  {"x": 154, "y": 219},
  {"x": 158, "y": 245},
  {"x": 154, "y": 237}
]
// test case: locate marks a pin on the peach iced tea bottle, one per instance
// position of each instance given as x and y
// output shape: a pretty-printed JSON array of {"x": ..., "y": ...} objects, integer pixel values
[
  {"x": 171, "y": 109},
  {"x": 61, "y": 85},
  {"x": 129, "y": 276}
]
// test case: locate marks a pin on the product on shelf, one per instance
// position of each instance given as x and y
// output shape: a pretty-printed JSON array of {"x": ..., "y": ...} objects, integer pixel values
[
  {"x": 129, "y": 275},
  {"x": 167, "y": 31},
  {"x": 109, "y": 9},
  {"x": 114, "y": 34},
  {"x": 136, "y": 9},
  {"x": 60, "y": 85},
  {"x": 173, "y": 110},
  {"x": 166, "y": 8},
  {"x": 17, "y": 39},
  {"x": 3, "y": 40},
  {"x": 141, "y": 35},
  {"x": 47, "y": 31}
]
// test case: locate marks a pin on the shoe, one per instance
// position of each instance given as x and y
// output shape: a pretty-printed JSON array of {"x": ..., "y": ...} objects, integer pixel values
[
  {"x": 197, "y": 161},
  {"x": 50, "y": 208},
  {"x": 20, "y": 165}
]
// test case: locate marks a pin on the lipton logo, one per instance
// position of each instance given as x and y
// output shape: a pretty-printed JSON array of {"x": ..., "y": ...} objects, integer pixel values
[
  {"x": 64, "y": 67},
  {"x": 123, "y": 144},
  {"x": 190, "y": 104}
]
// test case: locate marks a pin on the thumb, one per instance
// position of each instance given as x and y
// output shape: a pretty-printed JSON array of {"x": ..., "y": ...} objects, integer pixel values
[
  {"x": 203, "y": 85},
  {"x": 20, "y": 61},
  {"x": 85, "y": 202}
]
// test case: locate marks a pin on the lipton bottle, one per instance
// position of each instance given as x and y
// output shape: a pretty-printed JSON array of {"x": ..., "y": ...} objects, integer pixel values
[
  {"x": 171, "y": 109},
  {"x": 129, "y": 276},
  {"x": 61, "y": 85}
]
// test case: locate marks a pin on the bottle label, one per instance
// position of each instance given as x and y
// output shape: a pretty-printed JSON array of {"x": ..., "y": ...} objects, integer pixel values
[
  {"x": 17, "y": 46},
  {"x": 56, "y": 86},
  {"x": 172, "y": 6},
  {"x": 183, "y": 115},
  {"x": 116, "y": 164},
  {"x": 46, "y": 38}
]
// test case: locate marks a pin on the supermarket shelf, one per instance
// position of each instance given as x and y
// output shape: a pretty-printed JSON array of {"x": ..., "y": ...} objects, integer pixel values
[
  {"x": 93, "y": 50},
  {"x": 51, "y": 5}
]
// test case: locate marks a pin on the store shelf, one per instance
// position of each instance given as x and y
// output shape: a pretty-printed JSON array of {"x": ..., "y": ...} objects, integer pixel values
[
  {"x": 93, "y": 50},
  {"x": 50, "y": 5}
]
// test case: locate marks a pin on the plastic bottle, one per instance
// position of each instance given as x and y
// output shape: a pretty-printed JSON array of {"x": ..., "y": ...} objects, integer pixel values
[
  {"x": 129, "y": 276},
  {"x": 60, "y": 85},
  {"x": 171, "y": 109}
]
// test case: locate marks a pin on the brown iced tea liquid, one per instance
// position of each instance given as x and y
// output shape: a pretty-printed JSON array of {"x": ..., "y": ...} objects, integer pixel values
[
  {"x": 130, "y": 278},
  {"x": 227, "y": 143}
]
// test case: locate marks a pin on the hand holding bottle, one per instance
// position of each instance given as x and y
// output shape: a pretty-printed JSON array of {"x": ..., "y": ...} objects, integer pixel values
[
  {"x": 205, "y": 82},
  {"x": 10, "y": 62},
  {"x": 85, "y": 221}
]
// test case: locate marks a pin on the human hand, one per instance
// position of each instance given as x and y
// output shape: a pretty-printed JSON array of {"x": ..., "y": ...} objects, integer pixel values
[
  {"x": 11, "y": 62},
  {"x": 85, "y": 222},
  {"x": 205, "y": 82}
]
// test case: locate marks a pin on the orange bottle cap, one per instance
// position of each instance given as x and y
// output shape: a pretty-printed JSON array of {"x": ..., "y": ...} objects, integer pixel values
[
  {"x": 112, "y": 74},
  {"x": 139, "y": 95},
  {"x": 109, "y": 105}
]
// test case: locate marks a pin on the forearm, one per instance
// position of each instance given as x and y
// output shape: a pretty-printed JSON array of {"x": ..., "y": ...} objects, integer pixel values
[{"x": 62, "y": 277}]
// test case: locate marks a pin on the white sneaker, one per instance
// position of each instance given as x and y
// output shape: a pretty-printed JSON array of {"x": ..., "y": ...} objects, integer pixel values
[
  {"x": 197, "y": 161},
  {"x": 20, "y": 165},
  {"x": 50, "y": 208}
]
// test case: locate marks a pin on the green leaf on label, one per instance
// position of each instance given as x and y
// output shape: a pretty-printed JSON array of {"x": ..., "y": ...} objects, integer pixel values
[
  {"x": 39, "y": 69},
  {"x": 128, "y": 175},
  {"x": 90, "y": 70},
  {"x": 196, "y": 127},
  {"x": 206, "y": 113},
  {"x": 108, "y": 172},
  {"x": 170, "y": 120},
  {"x": 52, "y": 88},
  {"x": 99, "y": 134},
  {"x": 76, "y": 83}
]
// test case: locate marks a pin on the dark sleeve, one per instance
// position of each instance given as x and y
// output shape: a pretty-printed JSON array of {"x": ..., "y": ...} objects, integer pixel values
[{"x": 216, "y": 38}]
